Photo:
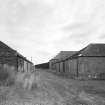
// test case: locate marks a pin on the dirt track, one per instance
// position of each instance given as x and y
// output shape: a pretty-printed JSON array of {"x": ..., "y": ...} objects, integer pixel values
[{"x": 54, "y": 90}]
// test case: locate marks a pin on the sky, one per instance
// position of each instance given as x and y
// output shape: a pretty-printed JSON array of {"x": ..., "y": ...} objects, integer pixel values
[{"x": 41, "y": 28}]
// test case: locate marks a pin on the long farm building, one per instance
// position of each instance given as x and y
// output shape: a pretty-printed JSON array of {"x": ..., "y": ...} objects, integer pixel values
[{"x": 88, "y": 63}]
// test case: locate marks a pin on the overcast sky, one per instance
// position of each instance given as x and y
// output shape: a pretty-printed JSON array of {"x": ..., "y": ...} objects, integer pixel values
[{"x": 41, "y": 28}]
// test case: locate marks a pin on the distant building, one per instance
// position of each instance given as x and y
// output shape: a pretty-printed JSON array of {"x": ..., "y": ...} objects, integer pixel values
[
  {"x": 11, "y": 59},
  {"x": 86, "y": 63},
  {"x": 42, "y": 66}
]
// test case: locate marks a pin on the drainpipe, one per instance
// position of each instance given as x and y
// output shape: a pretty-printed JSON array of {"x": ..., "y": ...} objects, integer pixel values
[
  {"x": 59, "y": 67},
  {"x": 63, "y": 66},
  {"x": 17, "y": 63},
  {"x": 77, "y": 68}
]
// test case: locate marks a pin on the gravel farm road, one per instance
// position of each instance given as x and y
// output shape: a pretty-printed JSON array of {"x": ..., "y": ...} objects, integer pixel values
[{"x": 51, "y": 89}]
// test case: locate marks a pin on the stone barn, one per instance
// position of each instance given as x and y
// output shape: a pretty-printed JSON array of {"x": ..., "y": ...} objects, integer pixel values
[
  {"x": 58, "y": 62},
  {"x": 88, "y": 62},
  {"x": 53, "y": 63},
  {"x": 71, "y": 67},
  {"x": 11, "y": 59}
]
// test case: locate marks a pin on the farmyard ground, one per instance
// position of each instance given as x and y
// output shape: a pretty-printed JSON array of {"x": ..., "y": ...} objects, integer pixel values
[{"x": 51, "y": 89}]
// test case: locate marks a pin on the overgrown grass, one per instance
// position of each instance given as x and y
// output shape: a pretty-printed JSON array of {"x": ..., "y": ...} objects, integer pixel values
[
  {"x": 7, "y": 77},
  {"x": 26, "y": 81}
]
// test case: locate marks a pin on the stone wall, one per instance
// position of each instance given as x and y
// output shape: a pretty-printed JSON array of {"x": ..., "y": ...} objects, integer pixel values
[{"x": 92, "y": 67}]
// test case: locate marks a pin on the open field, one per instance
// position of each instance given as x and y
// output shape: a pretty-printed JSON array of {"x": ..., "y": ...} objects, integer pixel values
[{"x": 50, "y": 89}]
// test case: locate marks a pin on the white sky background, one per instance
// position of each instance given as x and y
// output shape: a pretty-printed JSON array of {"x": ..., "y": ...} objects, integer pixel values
[{"x": 42, "y": 28}]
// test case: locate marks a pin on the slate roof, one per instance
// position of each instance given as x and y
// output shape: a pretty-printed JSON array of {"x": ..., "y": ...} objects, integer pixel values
[
  {"x": 15, "y": 53},
  {"x": 63, "y": 55},
  {"x": 94, "y": 49},
  {"x": 5, "y": 46}
]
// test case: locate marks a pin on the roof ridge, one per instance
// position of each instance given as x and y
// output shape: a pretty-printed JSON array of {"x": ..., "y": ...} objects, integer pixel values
[{"x": 97, "y": 43}]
